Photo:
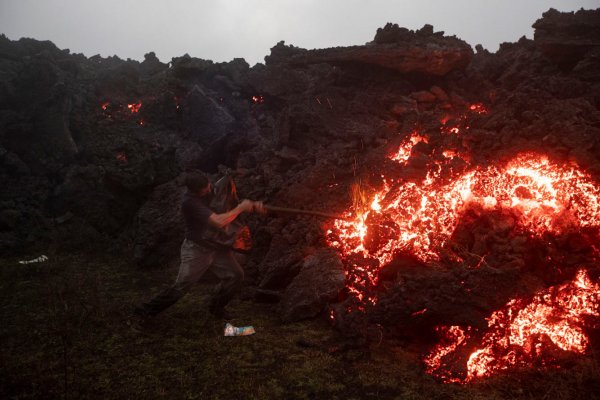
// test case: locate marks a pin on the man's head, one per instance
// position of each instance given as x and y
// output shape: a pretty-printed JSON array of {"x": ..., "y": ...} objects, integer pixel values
[{"x": 198, "y": 183}]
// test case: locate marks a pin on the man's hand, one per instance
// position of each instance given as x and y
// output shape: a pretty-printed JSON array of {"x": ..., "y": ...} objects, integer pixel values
[
  {"x": 246, "y": 205},
  {"x": 259, "y": 207}
]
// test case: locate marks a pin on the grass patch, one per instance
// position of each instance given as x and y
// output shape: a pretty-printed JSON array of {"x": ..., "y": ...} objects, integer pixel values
[{"x": 64, "y": 334}]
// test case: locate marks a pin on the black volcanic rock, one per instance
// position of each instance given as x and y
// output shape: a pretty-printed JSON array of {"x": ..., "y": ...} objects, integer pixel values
[
  {"x": 157, "y": 230},
  {"x": 91, "y": 148},
  {"x": 566, "y": 38},
  {"x": 394, "y": 48},
  {"x": 320, "y": 281}
]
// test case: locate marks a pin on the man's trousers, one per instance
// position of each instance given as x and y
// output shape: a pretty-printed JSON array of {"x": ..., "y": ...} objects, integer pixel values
[{"x": 195, "y": 261}]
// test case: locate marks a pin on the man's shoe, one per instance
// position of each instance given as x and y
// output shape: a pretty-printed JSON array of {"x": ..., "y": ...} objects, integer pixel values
[
  {"x": 220, "y": 312},
  {"x": 140, "y": 312},
  {"x": 136, "y": 322},
  {"x": 139, "y": 317}
]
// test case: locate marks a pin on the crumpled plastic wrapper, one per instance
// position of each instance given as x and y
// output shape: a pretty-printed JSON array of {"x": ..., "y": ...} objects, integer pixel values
[{"x": 231, "y": 330}]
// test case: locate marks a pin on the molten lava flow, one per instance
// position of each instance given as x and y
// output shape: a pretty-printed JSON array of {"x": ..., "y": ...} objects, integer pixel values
[
  {"x": 523, "y": 333},
  {"x": 420, "y": 218},
  {"x": 403, "y": 153},
  {"x": 410, "y": 212},
  {"x": 452, "y": 338},
  {"x": 135, "y": 107},
  {"x": 450, "y": 154}
]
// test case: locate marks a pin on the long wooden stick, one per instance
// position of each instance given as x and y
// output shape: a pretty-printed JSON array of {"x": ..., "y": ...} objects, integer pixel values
[{"x": 299, "y": 211}]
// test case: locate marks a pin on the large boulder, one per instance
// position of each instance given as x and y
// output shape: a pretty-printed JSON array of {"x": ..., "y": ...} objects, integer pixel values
[
  {"x": 158, "y": 227},
  {"x": 417, "y": 52},
  {"x": 319, "y": 282}
]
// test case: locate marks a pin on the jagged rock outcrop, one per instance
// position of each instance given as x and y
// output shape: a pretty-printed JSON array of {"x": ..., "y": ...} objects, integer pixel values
[
  {"x": 409, "y": 52},
  {"x": 567, "y": 38}
]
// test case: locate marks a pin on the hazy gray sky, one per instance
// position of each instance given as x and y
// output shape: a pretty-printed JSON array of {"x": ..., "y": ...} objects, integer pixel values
[{"x": 220, "y": 30}]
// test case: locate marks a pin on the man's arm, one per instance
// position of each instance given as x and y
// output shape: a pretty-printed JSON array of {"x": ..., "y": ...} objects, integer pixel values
[{"x": 222, "y": 220}]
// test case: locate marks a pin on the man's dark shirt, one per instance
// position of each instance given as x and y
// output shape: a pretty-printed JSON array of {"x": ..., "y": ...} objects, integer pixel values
[{"x": 195, "y": 215}]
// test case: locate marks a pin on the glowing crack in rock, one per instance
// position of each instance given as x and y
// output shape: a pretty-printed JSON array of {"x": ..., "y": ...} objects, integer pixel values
[
  {"x": 403, "y": 153},
  {"x": 478, "y": 108},
  {"x": 452, "y": 337}
]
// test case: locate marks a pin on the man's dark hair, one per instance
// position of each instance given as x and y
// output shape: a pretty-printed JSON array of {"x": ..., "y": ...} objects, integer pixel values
[{"x": 196, "y": 180}]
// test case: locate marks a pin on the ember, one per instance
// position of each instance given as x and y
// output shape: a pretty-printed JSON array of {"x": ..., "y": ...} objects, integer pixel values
[
  {"x": 479, "y": 108},
  {"x": 403, "y": 153},
  {"x": 121, "y": 157},
  {"x": 258, "y": 99},
  {"x": 134, "y": 108}
]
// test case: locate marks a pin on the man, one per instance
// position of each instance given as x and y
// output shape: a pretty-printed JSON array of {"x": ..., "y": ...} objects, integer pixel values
[{"x": 200, "y": 252}]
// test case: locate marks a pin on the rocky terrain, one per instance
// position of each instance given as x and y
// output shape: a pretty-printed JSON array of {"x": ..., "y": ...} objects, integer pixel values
[{"x": 92, "y": 151}]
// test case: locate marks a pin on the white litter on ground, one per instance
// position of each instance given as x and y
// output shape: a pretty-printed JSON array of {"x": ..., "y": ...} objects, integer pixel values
[
  {"x": 231, "y": 330},
  {"x": 40, "y": 259}
]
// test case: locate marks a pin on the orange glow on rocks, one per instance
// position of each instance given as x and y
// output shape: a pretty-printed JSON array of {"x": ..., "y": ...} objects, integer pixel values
[
  {"x": 479, "y": 108},
  {"x": 420, "y": 218},
  {"x": 135, "y": 107},
  {"x": 121, "y": 157},
  {"x": 523, "y": 332},
  {"x": 452, "y": 338},
  {"x": 403, "y": 153},
  {"x": 403, "y": 212}
]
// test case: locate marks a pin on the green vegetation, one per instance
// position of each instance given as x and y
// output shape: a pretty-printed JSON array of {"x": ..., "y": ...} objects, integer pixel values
[{"x": 65, "y": 334}]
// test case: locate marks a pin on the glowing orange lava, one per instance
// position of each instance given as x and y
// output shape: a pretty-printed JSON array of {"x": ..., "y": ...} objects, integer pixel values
[
  {"x": 479, "y": 108},
  {"x": 134, "y": 108},
  {"x": 403, "y": 153},
  {"x": 524, "y": 332},
  {"x": 418, "y": 216},
  {"x": 452, "y": 338}
]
